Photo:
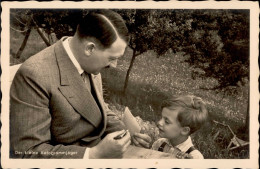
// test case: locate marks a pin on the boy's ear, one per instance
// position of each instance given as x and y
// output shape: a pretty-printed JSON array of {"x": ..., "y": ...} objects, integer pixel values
[
  {"x": 185, "y": 130},
  {"x": 89, "y": 48}
]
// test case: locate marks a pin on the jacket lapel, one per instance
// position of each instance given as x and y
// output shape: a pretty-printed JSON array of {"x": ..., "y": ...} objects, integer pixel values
[{"x": 74, "y": 89}]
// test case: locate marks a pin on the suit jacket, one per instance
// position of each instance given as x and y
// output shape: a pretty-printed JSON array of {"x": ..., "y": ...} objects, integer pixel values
[{"x": 52, "y": 113}]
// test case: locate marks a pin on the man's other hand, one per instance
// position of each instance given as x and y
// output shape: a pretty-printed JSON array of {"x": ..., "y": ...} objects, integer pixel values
[
  {"x": 141, "y": 140},
  {"x": 110, "y": 147}
]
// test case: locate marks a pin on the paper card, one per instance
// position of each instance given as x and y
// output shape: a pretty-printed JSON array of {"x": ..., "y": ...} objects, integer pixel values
[{"x": 130, "y": 122}]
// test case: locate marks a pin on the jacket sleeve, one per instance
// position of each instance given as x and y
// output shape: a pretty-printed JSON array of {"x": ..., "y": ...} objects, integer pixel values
[
  {"x": 113, "y": 121},
  {"x": 30, "y": 119}
]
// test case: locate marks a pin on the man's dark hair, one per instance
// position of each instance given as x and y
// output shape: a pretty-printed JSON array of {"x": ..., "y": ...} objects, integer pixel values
[{"x": 103, "y": 25}]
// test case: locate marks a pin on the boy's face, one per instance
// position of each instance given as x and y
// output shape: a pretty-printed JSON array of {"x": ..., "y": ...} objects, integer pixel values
[{"x": 169, "y": 126}]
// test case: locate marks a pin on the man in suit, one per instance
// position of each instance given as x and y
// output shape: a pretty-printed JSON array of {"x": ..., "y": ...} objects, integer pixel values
[{"x": 56, "y": 101}]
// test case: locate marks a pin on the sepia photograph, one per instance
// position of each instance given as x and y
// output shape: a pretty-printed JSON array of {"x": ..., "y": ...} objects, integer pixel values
[{"x": 149, "y": 84}]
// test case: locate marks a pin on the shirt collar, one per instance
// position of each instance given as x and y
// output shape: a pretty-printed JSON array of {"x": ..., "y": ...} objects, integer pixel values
[
  {"x": 71, "y": 56},
  {"x": 184, "y": 146}
]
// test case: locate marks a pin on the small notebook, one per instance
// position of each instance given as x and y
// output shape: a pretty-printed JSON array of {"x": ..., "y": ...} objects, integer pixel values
[{"x": 130, "y": 122}]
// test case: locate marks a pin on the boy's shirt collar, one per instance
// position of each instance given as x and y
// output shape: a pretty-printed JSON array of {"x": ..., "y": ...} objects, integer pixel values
[{"x": 184, "y": 146}]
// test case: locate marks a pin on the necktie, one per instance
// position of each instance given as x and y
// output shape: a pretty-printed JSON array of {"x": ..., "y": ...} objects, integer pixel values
[{"x": 86, "y": 80}]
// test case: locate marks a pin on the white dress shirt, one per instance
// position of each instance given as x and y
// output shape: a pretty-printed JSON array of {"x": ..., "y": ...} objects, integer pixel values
[{"x": 71, "y": 56}]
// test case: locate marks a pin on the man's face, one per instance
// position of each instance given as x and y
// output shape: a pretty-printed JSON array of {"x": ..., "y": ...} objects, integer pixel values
[
  {"x": 169, "y": 126},
  {"x": 100, "y": 59}
]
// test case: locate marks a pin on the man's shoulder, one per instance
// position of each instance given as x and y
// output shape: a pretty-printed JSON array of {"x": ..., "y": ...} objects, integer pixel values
[
  {"x": 40, "y": 61},
  {"x": 41, "y": 56}
]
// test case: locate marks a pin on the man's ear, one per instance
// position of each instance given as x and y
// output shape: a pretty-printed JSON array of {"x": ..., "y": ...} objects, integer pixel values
[
  {"x": 89, "y": 48},
  {"x": 185, "y": 130}
]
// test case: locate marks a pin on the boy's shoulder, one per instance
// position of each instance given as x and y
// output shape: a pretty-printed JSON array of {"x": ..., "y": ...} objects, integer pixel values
[
  {"x": 188, "y": 147},
  {"x": 196, "y": 154}
]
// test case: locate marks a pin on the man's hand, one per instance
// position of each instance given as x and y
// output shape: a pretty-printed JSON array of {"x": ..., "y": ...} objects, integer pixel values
[
  {"x": 110, "y": 147},
  {"x": 141, "y": 140}
]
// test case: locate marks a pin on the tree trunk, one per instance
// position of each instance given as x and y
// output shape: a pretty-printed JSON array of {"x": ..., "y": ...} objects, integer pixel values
[
  {"x": 129, "y": 70},
  {"x": 39, "y": 30},
  {"x": 44, "y": 38},
  {"x": 20, "y": 51}
]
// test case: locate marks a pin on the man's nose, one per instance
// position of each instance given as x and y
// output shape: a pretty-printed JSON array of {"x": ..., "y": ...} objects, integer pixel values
[{"x": 113, "y": 63}]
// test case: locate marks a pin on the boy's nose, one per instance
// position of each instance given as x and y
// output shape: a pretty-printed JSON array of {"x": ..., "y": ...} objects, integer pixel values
[{"x": 159, "y": 123}]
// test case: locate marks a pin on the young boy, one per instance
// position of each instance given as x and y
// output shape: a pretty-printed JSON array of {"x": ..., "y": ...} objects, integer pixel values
[{"x": 181, "y": 116}]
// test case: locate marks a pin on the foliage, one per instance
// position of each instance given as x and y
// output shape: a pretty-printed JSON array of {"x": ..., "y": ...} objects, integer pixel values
[
  {"x": 215, "y": 41},
  {"x": 218, "y": 44},
  {"x": 152, "y": 30},
  {"x": 20, "y": 19},
  {"x": 61, "y": 22}
]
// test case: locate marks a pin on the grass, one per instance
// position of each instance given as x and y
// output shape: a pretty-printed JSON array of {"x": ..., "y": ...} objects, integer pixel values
[
  {"x": 152, "y": 80},
  {"x": 34, "y": 45}
]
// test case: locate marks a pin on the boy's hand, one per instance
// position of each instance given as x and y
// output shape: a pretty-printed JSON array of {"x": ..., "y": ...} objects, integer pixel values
[{"x": 141, "y": 140}]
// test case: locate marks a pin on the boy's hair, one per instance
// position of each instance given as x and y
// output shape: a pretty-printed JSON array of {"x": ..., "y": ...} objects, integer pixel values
[
  {"x": 103, "y": 25},
  {"x": 192, "y": 111}
]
